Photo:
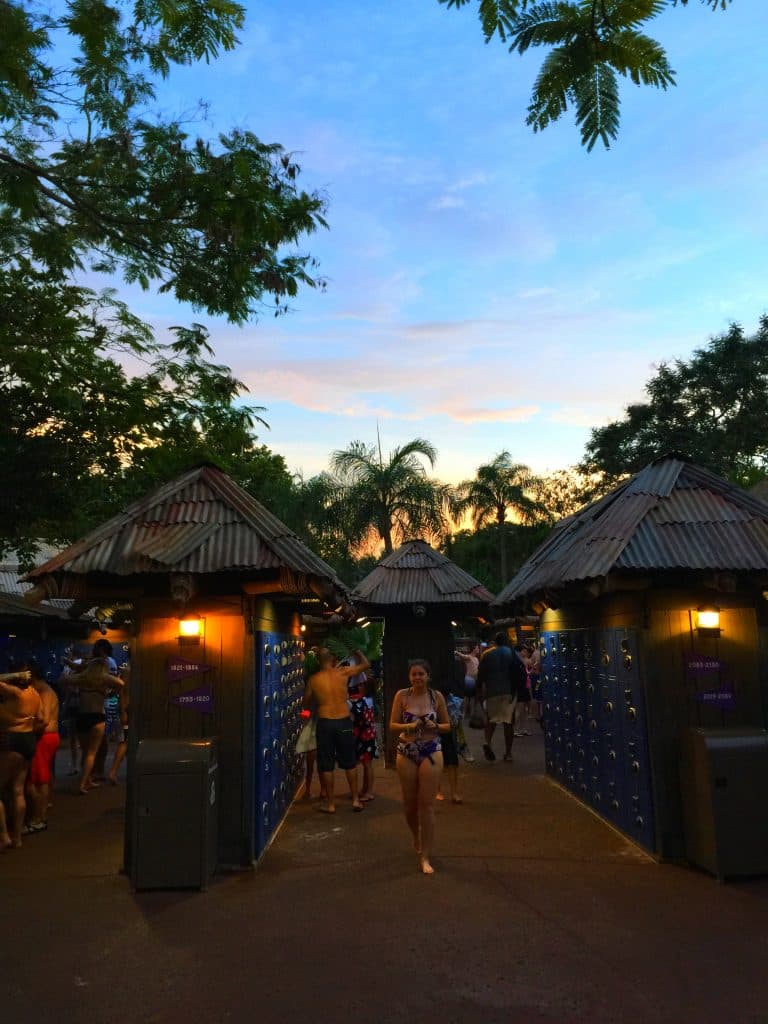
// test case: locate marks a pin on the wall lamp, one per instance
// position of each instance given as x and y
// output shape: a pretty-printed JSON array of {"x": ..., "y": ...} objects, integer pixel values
[
  {"x": 191, "y": 630},
  {"x": 708, "y": 620}
]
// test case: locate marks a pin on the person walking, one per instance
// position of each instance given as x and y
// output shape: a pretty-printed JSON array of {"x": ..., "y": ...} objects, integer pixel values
[
  {"x": 364, "y": 729},
  {"x": 335, "y": 737},
  {"x": 93, "y": 682},
  {"x": 500, "y": 677},
  {"x": 121, "y": 749},
  {"x": 420, "y": 717},
  {"x": 21, "y": 719},
  {"x": 41, "y": 769}
]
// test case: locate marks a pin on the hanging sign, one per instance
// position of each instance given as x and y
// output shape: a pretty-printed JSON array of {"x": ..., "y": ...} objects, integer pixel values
[
  {"x": 196, "y": 700},
  {"x": 180, "y": 668},
  {"x": 723, "y": 699}
]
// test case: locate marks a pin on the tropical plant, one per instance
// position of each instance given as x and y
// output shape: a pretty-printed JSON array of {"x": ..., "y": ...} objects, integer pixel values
[
  {"x": 499, "y": 487},
  {"x": 366, "y": 639},
  {"x": 392, "y": 497},
  {"x": 711, "y": 407},
  {"x": 592, "y": 43},
  {"x": 96, "y": 179}
]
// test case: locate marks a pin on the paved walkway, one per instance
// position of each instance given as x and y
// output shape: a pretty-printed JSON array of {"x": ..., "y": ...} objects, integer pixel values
[{"x": 538, "y": 913}]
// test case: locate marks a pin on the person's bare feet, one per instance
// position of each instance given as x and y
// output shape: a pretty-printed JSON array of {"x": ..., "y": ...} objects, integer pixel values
[
  {"x": 367, "y": 797},
  {"x": 357, "y": 806},
  {"x": 327, "y": 808},
  {"x": 457, "y": 799},
  {"x": 439, "y": 796},
  {"x": 6, "y": 843},
  {"x": 426, "y": 867}
]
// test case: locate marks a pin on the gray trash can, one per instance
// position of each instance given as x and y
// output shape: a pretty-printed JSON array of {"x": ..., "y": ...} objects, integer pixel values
[
  {"x": 175, "y": 814},
  {"x": 724, "y": 778}
]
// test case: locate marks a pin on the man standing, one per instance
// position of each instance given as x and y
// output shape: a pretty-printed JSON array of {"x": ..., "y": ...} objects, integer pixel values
[
  {"x": 335, "y": 735},
  {"x": 500, "y": 678}
]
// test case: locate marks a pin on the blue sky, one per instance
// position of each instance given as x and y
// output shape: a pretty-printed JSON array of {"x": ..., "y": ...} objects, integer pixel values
[{"x": 487, "y": 288}]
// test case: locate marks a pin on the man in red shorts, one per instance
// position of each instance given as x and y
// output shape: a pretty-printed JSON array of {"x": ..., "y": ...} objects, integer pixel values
[{"x": 41, "y": 769}]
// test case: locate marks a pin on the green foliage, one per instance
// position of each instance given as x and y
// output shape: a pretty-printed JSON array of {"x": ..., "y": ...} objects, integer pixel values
[
  {"x": 393, "y": 497},
  {"x": 565, "y": 491},
  {"x": 711, "y": 407},
  {"x": 357, "y": 638},
  {"x": 499, "y": 487},
  {"x": 591, "y": 43},
  {"x": 477, "y": 551},
  {"x": 91, "y": 176},
  {"x": 81, "y": 437},
  {"x": 95, "y": 178}
]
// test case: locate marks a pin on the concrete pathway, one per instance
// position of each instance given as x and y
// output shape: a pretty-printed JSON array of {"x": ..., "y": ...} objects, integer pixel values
[{"x": 538, "y": 913}]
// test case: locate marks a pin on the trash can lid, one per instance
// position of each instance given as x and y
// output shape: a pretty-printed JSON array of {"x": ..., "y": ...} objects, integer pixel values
[{"x": 175, "y": 754}]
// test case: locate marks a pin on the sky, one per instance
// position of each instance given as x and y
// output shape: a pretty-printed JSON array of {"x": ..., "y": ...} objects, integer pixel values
[{"x": 488, "y": 288}]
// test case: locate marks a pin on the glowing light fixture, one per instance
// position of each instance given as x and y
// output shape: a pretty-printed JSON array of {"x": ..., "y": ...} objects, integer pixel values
[
  {"x": 303, "y": 628},
  {"x": 191, "y": 629},
  {"x": 708, "y": 620},
  {"x": 454, "y": 624}
]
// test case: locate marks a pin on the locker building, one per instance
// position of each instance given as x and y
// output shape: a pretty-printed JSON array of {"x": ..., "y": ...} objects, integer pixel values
[
  {"x": 653, "y": 606},
  {"x": 217, "y": 584}
]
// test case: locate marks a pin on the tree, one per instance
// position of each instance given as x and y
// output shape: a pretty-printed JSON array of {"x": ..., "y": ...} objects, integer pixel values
[
  {"x": 79, "y": 436},
  {"x": 592, "y": 43},
  {"x": 477, "y": 551},
  {"x": 393, "y": 497},
  {"x": 91, "y": 176},
  {"x": 499, "y": 487},
  {"x": 565, "y": 491},
  {"x": 711, "y": 407},
  {"x": 94, "y": 179}
]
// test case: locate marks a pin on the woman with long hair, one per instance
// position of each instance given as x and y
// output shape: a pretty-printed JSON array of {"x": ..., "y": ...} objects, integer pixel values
[
  {"x": 93, "y": 683},
  {"x": 420, "y": 716}
]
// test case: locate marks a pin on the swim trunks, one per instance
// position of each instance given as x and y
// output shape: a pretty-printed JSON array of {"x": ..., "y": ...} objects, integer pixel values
[
  {"x": 40, "y": 772},
  {"x": 335, "y": 744}
]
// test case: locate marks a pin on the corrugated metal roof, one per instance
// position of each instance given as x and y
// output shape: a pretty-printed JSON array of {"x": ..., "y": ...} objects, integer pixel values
[
  {"x": 202, "y": 522},
  {"x": 673, "y": 515},
  {"x": 417, "y": 574}
]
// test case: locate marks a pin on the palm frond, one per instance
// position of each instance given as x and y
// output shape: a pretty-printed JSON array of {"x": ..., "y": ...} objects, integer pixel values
[
  {"x": 546, "y": 24},
  {"x": 418, "y": 446},
  {"x": 640, "y": 58},
  {"x": 596, "y": 95}
]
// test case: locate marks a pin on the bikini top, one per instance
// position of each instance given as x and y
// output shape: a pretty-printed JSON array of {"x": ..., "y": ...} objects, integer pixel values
[{"x": 431, "y": 716}]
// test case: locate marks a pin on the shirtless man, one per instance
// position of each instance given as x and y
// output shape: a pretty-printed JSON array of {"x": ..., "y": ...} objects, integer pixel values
[
  {"x": 41, "y": 769},
  {"x": 335, "y": 738}
]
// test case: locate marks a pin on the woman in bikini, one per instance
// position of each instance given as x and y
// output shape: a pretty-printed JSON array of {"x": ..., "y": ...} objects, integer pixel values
[
  {"x": 419, "y": 715},
  {"x": 93, "y": 683}
]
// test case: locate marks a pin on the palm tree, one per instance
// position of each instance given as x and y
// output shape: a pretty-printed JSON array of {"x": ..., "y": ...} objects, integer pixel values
[
  {"x": 499, "y": 487},
  {"x": 393, "y": 496}
]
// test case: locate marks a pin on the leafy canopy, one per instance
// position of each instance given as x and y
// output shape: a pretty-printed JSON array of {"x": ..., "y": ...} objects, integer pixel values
[
  {"x": 591, "y": 44},
  {"x": 92, "y": 176},
  {"x": 96, "y": 179},
  {"x": 711, "y": 407}
]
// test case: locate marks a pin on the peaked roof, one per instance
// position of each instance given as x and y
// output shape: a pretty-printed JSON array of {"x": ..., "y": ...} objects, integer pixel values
[
  {"x": 417, "y": 574},
  {"x": 201, "y": 522},
  {"x": 671, "y": 516}
]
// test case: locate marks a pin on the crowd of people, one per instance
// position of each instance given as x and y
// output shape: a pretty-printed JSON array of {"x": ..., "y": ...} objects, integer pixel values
[
  {"x": 32, "y": 716},
  {"x": 498, "y": 683}
]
